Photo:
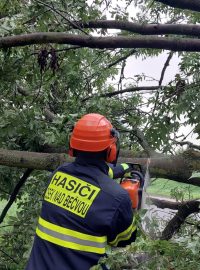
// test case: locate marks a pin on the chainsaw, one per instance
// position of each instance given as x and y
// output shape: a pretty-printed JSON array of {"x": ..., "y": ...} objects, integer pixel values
[{"x": 133, "y": 184}]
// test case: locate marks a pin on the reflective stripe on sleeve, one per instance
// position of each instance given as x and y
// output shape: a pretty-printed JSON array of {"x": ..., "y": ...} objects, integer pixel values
[
  {"x": 110, "y": 173},
  {"x": 125, "y": 235},
  {"x": 124, "y": 166},
  {"x": 70, "y": 238}
]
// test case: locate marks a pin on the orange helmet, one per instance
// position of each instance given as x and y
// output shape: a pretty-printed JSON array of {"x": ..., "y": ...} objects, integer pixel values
[{"x": 94, "y": 133}]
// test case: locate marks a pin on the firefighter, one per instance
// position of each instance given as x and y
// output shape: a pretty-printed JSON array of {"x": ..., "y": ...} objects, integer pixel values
[{"x": 83, "y": 208}]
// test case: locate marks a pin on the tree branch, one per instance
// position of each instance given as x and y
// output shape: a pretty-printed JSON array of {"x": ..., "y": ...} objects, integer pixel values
[
  {"x": 189, "y": 144},
  {"x": 182, "y": 4},
  {"x": 73, "y": 24},
  {"x": 184, "y": 210},
  {"x": 165, "y": 67},
  {"x": 144, "y": 29},
  {"x": 161, "y": 80},
  {"x": 15, "y": 193},
  {"x": 126, "y": 90},
  {"x": 143, "y": 142},
  {"x": 121, "y": 59},
  {"x": 50, "y": 116},
  {"x": 174, "y": 44},
  {"x": 164, "y": 203}
]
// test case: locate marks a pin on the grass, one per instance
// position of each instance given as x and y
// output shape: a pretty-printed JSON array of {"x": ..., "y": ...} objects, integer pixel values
[{"x": 163, "y": 187}]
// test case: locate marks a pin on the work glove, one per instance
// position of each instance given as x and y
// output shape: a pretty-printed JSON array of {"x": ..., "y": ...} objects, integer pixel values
[
  {"x": 132, "y": 171},
  {"x": 128, "y": 167}
]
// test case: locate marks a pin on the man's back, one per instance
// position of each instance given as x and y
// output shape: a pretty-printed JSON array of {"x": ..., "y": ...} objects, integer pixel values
[{"x": 81, "y": 212}]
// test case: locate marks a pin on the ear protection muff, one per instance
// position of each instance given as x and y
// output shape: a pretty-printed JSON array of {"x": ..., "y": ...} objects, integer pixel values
[{"x": 113, "y": 149}]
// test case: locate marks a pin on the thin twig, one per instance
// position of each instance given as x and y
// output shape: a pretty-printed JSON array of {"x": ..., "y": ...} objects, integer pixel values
[
  {"x": 59, "y": 13},
  {"x": 121, "y": 59},
  {"x": 38, "y": 93},
  {"x": 121, "y": 75},
  {"x": 130, "y": 89},
  {"x": 165, "y": 67},
  {"x": 9, "y": 256},
  {"x": 189, "y": 144},
  {"x": 161, "y": 79}
]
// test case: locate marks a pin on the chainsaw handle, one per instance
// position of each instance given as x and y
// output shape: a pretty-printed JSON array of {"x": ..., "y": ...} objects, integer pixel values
[
  {"x": 133, "y": 180},
  {"x": 135, "y": 166}
]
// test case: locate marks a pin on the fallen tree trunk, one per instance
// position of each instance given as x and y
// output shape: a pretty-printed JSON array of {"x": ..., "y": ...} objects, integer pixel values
[
  {"x": 178, "y": 168},
  {"x": 32, "y": 160}
]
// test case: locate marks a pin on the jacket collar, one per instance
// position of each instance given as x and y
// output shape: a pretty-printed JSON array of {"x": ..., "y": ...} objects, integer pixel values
[{"x": 88, "y": 161}]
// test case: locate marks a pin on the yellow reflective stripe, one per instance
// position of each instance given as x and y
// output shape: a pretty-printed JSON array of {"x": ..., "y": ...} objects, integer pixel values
[
  {"x": 59, "y": 229},
  {"x": 125, "y": 235},
  {"x": 125, "y": 166},
  {"x": 68, "y": 244},
  {"x": 110, "y": 173}
]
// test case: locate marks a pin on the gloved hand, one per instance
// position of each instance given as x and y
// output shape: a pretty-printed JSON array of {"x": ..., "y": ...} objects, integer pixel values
[
  {"x": 128, "y": 167},
  {"x": 132, "y": 170},
  {"x": 122, "y": 170}
]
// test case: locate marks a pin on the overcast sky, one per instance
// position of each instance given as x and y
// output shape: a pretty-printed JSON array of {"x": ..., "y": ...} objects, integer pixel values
[{"x": 151, "y": 67}]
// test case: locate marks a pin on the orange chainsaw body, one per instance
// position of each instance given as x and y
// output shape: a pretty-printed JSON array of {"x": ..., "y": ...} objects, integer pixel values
[{"x": 132, "y": 187}]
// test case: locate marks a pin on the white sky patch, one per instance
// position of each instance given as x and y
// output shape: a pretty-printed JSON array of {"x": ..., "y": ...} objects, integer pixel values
[{"x": 150, "y": 67}]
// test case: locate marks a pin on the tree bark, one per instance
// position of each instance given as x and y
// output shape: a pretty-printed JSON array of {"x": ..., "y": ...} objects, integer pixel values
[
  {"x": 178, "y": 168},
  {"x": 144, "y": 29},
  {"x": 174, "y": 44},
  {"x": 164, "y": 203},
  {"x": 32, "y": 160},
  {"x": 182, "y": 4}
]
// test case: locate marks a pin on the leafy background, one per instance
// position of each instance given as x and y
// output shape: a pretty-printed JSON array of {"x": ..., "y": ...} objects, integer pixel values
[{"x": 67, "y": 81}]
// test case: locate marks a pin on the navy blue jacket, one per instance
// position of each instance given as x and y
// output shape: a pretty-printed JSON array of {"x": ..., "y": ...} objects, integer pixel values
[{"x": 83, "y": 210}]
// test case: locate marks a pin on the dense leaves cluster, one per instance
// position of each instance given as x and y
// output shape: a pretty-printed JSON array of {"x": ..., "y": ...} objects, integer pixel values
[
  {"x": 151, "y": 255},
  {"x": 45, "y": 89}
]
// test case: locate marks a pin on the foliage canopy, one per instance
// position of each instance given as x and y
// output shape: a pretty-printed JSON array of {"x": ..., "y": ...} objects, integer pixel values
[{"x": 44, "y": 89}]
